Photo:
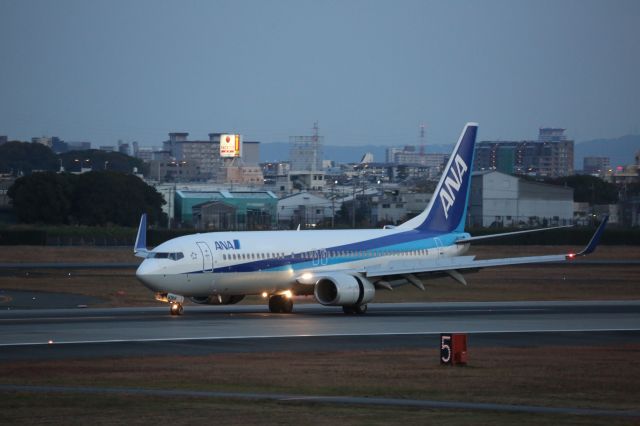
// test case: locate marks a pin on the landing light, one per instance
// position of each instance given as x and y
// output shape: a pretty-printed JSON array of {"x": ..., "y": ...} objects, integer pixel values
[
  {"x": 306, "y": 276},
  {"x": 264, "y": 294},
  {"x": 287, "y": 294}
]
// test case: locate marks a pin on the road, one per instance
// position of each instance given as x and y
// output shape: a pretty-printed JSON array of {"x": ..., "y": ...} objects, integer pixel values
[{"x": 60, "y": 333}]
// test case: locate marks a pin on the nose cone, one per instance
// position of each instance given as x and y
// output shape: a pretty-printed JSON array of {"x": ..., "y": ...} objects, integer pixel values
[{"x": 147, "y": 273}]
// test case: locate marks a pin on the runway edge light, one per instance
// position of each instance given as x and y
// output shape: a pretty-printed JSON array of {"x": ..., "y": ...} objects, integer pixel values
[{"x": 453, "y": 349}]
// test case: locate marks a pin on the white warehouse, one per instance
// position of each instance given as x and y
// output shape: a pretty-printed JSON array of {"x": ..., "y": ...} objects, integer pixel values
[{"x": 499, "y": 199}]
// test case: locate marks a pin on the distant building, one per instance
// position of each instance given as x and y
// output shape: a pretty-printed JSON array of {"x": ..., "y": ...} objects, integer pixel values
[
  {"x": 107, "y": 148},
  {"x": 78, "y": 146},
  {"x": 596, "y": 165},
  {"x": 306, "y": 152},
  {"x": 43, "y": 140},
  {"x": 251, "y": 153},
  {"x": 252, "y": 209},
  {"x": 389, "y": 208},
  {"x": 304, "y": 209},
  {"x": 501, "y": 200},
  {"x": 144, "y": 153},
  {"x": 59, "y": 146},
  {"x": 551, "y": 134},
  {"x": 205, "y": 154},
  {"x": 244, "y": 175},
  {"x": 550, "y": 156},
  {"x": 123, "y": 148}
]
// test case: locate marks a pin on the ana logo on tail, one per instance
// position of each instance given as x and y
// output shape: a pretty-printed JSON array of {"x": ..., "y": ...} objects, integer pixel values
[{"x": 452, "y": 184}]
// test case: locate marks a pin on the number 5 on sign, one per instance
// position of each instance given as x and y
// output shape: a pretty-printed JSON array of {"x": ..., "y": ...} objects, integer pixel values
[{"x": 445, "y": 349}]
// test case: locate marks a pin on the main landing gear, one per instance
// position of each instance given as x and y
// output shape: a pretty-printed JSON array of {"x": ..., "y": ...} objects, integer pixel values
[
  {"x": 280, "y": 304},
  {"x": 357, "y": 309}
]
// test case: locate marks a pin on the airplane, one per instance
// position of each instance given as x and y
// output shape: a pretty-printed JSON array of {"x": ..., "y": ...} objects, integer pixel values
[{"x": 338, "y": 267}]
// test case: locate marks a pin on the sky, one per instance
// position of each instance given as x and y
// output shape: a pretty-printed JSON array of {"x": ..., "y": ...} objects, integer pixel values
[{"x": 368, "y": 71}]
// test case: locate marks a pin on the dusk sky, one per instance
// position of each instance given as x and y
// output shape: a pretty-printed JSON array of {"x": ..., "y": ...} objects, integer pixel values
[{"x": 368, "y": 71}]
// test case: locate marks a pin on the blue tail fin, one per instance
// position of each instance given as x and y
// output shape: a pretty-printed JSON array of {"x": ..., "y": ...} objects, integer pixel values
[{"x": 447, "y": 209}]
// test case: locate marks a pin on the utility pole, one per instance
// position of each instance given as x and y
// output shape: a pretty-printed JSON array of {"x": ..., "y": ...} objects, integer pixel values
[
  {"x": 353, "y": 208},
  {"x": 333, "y": 203}
]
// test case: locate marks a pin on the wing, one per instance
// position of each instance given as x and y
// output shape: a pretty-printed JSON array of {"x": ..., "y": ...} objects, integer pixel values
[
  {"x": 507, "y": 234},
  {"x": 452, "y": 265},
  {"x": 398, "y": 272}
]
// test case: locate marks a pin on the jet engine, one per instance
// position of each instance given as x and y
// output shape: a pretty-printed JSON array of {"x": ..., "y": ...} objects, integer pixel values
[
  {"x": 342, "y": 289},
  {"x": 217, "y": 300}
]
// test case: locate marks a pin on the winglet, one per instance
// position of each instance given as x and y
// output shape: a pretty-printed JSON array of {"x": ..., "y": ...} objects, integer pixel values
[
  {"x": 591, "y": 247},
  {"x": 140, "y": 249}
]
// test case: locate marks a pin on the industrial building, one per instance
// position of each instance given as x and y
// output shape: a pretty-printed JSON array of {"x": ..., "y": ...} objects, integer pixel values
[
  {"x": 305, "y": 209},
  {"x": 235, "y": 210},
  {"x": 501, "y": 200}
]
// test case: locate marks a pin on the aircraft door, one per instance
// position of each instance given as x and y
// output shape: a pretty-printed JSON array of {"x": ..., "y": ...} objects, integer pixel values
[
  {"x": 207, "y": 256},
  {"x": 320, "y": 257},
  {"x": 439, "y": 248}
]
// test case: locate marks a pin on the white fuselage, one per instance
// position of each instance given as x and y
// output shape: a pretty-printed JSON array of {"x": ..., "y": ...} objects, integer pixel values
[{"x": 243, "y": 263}]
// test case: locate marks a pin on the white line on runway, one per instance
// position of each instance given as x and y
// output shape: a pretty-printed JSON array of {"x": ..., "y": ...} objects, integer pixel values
[{"x": 284, "y": 336}]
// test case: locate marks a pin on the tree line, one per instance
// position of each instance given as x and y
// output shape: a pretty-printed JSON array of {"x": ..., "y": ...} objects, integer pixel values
[
  {"x": 23, "y": 158},
  {"x": 94, "y": 198}
]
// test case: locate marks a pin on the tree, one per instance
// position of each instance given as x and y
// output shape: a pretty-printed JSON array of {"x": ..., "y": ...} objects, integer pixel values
[
  {"x": 107, "y": 197},
  {"x": 589, "y": 189},
  {"x": 24, "y": 157},
  {"x": 100, "y": 160},
  {"x": 42, "y": 198},
  {"x": 93, "y": 198}
]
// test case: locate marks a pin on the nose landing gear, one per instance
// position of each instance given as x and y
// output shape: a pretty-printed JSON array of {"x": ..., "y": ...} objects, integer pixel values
[
  {"x": 175, "y": 302},
  {"x": 176, "y": 308}
]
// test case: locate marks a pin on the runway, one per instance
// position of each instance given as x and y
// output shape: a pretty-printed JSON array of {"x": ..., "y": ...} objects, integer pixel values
[{"x": 60, "y": 333}]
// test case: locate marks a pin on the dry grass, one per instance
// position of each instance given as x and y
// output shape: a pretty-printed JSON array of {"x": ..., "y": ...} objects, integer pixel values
[
  {"x": 46, "y": 254},
  {"x": 35, "y": 409},
  {"x": 598, "y": 377}
]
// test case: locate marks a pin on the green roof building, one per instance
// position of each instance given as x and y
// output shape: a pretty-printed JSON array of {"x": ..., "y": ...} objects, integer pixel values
[{"x": 252, "y": 209}]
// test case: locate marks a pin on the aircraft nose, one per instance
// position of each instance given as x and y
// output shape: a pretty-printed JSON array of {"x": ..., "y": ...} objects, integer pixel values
[{"x": 145, "y": 271}]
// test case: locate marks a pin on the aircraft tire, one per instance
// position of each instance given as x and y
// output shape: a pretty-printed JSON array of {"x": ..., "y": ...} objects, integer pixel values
[
  {"x": 360, "y": 309},
  {"x": 280, "y": 305}
]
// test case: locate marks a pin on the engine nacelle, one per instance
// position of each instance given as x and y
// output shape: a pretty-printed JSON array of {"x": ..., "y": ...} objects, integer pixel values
[
  {"x": 342, "y": 289},
  {"x": 217, "y": 300}
]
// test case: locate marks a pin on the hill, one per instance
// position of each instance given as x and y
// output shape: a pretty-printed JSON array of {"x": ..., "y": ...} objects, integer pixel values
[{"x": 620, "y": 150}]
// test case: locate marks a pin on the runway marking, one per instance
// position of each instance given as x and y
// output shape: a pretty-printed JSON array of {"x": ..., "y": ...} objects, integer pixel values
[
  {"x": 53, "y": 342},
  {"x": 342, "y": 400}
]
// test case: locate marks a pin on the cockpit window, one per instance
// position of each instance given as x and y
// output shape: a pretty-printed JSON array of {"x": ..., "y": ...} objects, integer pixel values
[{"x": 163, "y": 255}]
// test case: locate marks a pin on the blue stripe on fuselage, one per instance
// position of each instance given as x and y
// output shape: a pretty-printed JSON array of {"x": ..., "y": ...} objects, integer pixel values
[{"x": 404, "y": 241}]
